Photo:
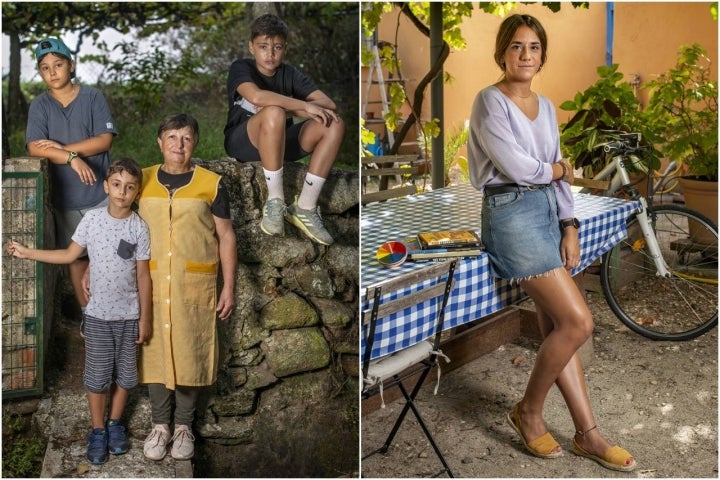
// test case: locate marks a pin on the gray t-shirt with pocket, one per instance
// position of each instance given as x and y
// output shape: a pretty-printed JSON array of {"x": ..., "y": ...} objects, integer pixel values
[{"x": 114, "y": 246}]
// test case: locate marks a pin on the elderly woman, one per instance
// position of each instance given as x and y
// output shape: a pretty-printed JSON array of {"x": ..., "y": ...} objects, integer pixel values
[{"x": 187, "y": 210}]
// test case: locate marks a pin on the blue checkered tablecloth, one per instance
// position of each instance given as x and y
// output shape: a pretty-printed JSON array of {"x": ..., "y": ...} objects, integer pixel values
[{"x": 476, "y": 294}]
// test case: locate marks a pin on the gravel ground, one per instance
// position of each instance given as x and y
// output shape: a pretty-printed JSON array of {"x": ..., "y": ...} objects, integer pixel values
[{"x": 656, "y": 399}]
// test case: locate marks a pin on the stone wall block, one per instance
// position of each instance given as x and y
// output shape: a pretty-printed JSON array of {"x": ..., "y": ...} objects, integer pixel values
[
  {"x": 237, "y": 376},
  {"x": 339, "y": 194},
  {"x": 228, "y": 431},
  {"x": 307, "y": 388},
  {"x": 288, "y": 311},
  {"x": 334, "y": 313},
  {"x": 239, "y": 402},
  {"x": 260, "y": 376},
  {"x": 246, "y": 357},
  {"x": 309, "y": 280},
  {"x": 250, "y": 334},
  {"x": 256, "y": 247},
  {"x": 342, "y": 261},
  {"x": 298, "y": 350},
  {"x": 342, "y": 339}
]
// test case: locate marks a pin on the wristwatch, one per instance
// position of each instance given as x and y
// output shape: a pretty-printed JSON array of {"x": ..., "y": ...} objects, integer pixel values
[
  {"x": 71, "y": 157},
  {"x": 570, "y": 222}
]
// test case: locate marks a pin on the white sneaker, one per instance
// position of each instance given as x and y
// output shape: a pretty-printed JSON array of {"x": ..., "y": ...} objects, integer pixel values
[
  {"x": 155, "y": 445},
  {"x": 183, "y": 447}
]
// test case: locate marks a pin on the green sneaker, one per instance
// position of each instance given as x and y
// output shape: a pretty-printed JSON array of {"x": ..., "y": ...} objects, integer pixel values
[
  {"x": 273, "y": 213},
  {"x": 309, "y": 222}
]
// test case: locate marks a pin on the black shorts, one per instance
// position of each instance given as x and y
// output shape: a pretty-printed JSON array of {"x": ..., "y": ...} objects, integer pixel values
[{"x": 239, "y": 146}]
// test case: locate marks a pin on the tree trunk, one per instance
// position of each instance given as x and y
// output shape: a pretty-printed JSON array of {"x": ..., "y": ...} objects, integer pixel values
[
  {"x": 261, "y": 8},
  {"x": 419, "y": 95},
  {"x": 16, "y": 103}
]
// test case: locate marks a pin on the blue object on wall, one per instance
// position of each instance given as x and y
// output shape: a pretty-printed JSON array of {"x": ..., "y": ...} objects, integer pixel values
[{"x": 610, "y": 29}]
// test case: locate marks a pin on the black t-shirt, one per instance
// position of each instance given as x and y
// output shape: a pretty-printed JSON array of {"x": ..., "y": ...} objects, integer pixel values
[
  {"x": 287, "y": 81},
  {"x": 220, "y": 207}
]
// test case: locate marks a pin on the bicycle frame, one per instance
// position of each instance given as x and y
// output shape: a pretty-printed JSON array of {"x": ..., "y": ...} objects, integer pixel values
[
  {"x": 643, "y": 221},
  {"x": 620, "y": 150}
]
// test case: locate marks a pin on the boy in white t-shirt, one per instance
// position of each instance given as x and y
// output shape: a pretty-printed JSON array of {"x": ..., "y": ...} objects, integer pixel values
[{"x": 118, "y": 315}]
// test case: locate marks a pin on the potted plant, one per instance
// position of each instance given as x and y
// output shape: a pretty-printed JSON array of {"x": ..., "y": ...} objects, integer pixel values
[
  {"x": 603, "y": 109},
  {"x": 683, "y": 110}
]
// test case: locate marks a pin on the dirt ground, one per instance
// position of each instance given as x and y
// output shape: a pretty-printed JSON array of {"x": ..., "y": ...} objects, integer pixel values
[{"x": 659, "y": 400}]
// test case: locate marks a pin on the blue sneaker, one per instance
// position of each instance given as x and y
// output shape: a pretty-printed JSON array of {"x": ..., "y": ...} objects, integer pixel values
[
  {"x": 97, "y": 450},
  {"x": 117, "y": 440}
]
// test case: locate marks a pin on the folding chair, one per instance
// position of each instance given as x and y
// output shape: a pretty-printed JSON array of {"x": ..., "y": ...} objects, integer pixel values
[{"x": 384, "y": 299}]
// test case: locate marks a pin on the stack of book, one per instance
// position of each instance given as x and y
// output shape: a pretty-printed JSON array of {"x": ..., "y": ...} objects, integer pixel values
[{"x": 427, "y": 246}]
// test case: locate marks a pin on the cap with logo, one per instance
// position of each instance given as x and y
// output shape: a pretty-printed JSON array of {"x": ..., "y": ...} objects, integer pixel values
[{"x": 52, "y": 45}]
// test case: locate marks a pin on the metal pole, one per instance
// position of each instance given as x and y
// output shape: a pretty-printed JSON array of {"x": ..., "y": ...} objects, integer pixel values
[
  {"x": 436, "y": 96},
  {"x": 609, "y": 32}
]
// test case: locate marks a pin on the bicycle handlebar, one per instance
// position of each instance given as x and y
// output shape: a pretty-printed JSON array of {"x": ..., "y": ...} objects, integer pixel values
[{"x": 627, "y": 143}]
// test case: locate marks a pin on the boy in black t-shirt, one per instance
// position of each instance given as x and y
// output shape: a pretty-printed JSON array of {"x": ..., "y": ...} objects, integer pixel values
[{"x": 263, "y": 95}]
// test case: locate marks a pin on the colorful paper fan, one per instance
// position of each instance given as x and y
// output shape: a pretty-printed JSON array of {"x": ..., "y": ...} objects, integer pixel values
[{"x": 391, "y": 254}]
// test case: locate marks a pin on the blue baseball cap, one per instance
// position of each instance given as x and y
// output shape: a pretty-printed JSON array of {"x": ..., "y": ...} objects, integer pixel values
[{"x": 53, "y": 45}]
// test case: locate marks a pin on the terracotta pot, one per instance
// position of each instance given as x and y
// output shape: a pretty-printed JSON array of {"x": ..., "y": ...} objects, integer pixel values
[{"x": 701, "y": 196}]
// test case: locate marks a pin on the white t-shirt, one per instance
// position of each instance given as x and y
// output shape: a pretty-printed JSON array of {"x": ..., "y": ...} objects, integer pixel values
[{"x": 114, "y": 247}]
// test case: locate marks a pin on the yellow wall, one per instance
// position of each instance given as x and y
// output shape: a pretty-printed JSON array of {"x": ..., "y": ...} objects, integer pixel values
[{"x": 647, "y": 36}]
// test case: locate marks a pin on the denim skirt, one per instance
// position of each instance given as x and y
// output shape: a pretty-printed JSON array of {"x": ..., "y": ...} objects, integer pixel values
[{"x": 521, "y": 234}]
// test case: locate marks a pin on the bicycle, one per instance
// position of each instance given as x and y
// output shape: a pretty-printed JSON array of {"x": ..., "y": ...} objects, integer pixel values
[{"x": 669, "y": 249}]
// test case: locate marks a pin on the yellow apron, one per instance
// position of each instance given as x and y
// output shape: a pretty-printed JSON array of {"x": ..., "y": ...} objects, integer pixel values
[{"x": 184, "y": 259}]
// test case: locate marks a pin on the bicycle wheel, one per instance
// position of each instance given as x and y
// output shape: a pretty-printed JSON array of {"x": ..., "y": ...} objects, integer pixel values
[
  {"x": 668, "y": 180},
  {"x": 681, "y": 306}
]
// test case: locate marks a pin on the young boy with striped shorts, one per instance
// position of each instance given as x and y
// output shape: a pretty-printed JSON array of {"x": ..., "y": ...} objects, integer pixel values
[{"x": 117, "y": 317}]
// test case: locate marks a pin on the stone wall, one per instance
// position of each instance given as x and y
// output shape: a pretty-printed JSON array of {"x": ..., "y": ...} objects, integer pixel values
[{"x": 289, "y": 352}]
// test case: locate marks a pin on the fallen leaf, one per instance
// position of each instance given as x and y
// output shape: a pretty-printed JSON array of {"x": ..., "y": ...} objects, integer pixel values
[
  {"x": 517, "y": 360},
  {"x": 83, "y": 468}
]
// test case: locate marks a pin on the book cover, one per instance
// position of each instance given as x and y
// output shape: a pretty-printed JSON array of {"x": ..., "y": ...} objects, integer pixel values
[
  {"x": 449, "y": 239},
  {"x": 415, "y": 252}
]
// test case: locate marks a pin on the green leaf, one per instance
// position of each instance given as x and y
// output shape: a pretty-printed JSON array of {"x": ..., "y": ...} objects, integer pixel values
[{"x": 568, "y": 105}]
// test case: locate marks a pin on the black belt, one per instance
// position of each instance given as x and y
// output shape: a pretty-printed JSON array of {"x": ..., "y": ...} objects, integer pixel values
[{"x": 511, "y": 188}]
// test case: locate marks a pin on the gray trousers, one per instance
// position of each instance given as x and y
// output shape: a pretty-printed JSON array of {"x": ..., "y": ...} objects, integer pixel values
[{"x": 161, "y": 402}]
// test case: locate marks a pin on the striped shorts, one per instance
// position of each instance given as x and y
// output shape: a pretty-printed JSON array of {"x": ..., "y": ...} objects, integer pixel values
[{"x": 110, "y": 354}]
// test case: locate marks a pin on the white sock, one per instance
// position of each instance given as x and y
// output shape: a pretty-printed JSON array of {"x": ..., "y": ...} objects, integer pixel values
[
  {"x": 310, "y": 191},
  {"x": 274, "y": 182}
]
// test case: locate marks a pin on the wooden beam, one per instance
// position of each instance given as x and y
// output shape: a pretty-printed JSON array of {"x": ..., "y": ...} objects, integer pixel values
[
  {"x": 389, "y": 159},
  {"x": 592, "y": 184},
  {"x": 388, "y": 194},
  {"x": 377, "y": 172}
]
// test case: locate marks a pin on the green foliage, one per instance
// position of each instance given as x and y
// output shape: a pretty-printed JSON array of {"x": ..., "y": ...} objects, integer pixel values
[
  {"x": 453, "y": 15},
  {"x": 453, "y": 143},
  {"x": 683, "y": 109},
  {"x": 183, "y": 64},
  {"x": 372, "y": 13},
  {"x": 367, "y": 137},
  {"x": 142, "y": 77},
  {"x": 607, "y": 106},
  {"x": 23, "y": 450}
]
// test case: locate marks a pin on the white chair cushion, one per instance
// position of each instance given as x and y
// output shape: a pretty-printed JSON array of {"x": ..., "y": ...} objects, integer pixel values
[{"x": 385, "y": 367}]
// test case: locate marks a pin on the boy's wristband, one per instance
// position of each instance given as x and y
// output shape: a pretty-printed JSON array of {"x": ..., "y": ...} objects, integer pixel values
[{"x": 71, "y": 157}]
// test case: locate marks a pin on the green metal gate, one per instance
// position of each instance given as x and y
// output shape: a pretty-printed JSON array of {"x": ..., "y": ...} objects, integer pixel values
[{"x": 22, "y": 286}]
